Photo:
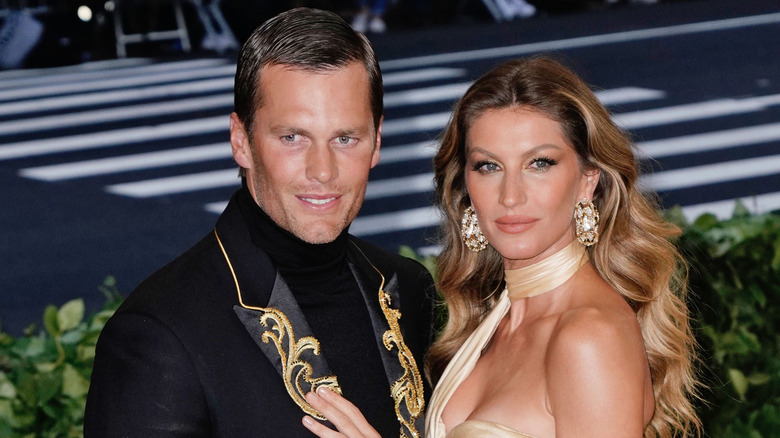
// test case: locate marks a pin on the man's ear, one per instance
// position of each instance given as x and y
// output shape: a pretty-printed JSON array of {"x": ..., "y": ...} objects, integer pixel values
[
  {"x": 375, "y": 157},
  {"x": 239, "y": 143}
]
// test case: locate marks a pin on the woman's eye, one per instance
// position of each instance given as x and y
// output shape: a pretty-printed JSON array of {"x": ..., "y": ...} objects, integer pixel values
[
  {"x": 543, "y": 163},
  {"x": 485, "y": 167}
]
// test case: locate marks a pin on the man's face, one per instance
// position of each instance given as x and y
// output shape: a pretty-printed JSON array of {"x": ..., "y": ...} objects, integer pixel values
[{"x": 313, "y": 144}]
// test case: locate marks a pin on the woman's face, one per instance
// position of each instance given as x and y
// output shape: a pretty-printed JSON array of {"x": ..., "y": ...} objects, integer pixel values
[{"x": 524, "y": 179}]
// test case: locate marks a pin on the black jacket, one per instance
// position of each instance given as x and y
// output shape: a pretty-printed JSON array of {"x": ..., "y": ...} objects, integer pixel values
[{"x": 182, "y": 356}]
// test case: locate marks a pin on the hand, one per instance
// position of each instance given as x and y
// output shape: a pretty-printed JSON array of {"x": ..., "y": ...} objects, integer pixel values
[{"x": 349, "y": 421}]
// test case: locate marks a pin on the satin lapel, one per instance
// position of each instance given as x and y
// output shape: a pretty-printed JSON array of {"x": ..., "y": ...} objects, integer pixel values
[
  {"x": 369, "y": 287},
  {"x": 383, "y": 301},
  {"x": 269, "y": 312},
  {"x": 284, "y": 336}
]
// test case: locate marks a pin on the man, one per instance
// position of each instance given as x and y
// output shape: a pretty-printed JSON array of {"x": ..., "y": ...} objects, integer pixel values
[{"x": 278, "y": 300}]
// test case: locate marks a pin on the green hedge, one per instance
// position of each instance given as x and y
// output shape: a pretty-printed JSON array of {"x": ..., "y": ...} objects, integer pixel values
[
  {"x": 44, "y": 375},
  {"x": 735, "y": 300},
  {"x": 735, "y": 297}
]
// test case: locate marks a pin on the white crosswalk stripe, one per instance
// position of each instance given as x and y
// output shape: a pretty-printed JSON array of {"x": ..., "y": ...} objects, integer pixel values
[
  {"x": 113, "y": 138},
  {"x": 125, "y": 163},
  {"x": 709, "y": 141},
  {"x": 168, "y": 91},
  {"x": 113, "y": 83},
  {"x": 586, "y": 41}
]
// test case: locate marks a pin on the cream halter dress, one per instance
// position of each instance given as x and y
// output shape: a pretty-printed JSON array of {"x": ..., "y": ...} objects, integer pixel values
[{"x": 521, "y": 283}]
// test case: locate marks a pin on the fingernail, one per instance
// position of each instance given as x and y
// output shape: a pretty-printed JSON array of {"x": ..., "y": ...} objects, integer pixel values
[
  {"x": 308, "y": 420},
  {"x": 321, "y": 391}
]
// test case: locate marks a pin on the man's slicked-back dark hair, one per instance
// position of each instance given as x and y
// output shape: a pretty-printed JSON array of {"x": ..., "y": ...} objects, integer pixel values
[{"x": 307, "y": 39}]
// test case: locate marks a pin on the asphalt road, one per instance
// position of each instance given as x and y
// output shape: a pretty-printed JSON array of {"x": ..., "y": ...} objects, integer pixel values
[{"x": 115, "y": 168}]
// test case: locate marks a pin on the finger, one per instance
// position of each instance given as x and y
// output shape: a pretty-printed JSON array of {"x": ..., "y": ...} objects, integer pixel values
[
  {"x": 318, "y": 428},
  {"x": 354, "y": 418},
  {"x": 335, "y": 413}
]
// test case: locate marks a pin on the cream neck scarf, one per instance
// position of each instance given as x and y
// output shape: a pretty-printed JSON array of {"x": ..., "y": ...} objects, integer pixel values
[{"x": 547, "y": 274}]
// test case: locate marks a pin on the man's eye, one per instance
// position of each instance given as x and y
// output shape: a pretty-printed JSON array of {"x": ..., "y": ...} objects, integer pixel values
[
  {"x": 344, "y": 140},
  {"x": 290, "y": 138}
]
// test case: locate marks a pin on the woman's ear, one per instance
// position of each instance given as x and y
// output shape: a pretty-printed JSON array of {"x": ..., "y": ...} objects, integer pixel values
[
  {"x": 591, "y": 181},
  {"x": 239, "y": 143}
]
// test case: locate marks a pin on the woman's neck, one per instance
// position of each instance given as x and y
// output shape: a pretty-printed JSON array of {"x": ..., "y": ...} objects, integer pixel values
[{"x": 546, "y": 274}]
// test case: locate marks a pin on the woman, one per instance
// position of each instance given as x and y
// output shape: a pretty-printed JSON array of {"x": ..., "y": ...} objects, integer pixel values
[{"x": 565, "y": 299}]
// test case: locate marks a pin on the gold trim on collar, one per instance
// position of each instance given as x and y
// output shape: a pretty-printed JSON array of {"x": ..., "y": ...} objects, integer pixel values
[
  {"x": 295, "y": 371},
  {"x": 408, "y": 389}
]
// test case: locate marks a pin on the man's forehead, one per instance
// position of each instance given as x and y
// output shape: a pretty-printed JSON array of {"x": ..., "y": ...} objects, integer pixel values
[{"x": 280, "y": 69}]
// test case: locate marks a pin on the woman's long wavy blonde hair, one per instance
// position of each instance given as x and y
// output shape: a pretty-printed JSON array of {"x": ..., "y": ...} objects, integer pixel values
[{"x": 634, "y": 253}]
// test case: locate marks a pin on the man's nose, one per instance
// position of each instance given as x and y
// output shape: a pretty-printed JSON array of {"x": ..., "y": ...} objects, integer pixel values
[{"x": 321, "y": 164}]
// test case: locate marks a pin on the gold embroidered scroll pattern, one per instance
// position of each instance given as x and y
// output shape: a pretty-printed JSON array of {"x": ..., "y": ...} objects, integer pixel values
[
  {"x": 294, "y": 369},
  {"x": 409, "y": 388}
]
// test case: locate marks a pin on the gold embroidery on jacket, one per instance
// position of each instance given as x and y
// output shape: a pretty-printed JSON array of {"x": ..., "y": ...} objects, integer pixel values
[
  {"x": 408, "y": 389},
  {"x": 295, "y": 371}
]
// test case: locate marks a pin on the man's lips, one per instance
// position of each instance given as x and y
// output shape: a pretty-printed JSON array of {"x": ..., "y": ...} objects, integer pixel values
[
  {"x": 318, "y": 200},
  {"x": 514, "y": 224}
]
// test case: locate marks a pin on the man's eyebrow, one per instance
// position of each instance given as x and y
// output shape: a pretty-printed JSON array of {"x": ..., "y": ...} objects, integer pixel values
[
  {"x": 288, "y": 129},
  {"x": 350, "y": 132}
]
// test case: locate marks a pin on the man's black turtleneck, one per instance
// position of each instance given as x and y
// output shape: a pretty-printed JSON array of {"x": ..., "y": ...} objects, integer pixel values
[{"x": 324, "y": 287}]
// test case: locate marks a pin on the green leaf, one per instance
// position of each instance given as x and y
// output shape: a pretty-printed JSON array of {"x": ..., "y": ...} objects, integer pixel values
[
  {"x": 12, "y": 417},
  {"x": 50, "y": 321},
  {"x": 739, "y": 382},
  {"x": 740, "y": 210},
  {"x": 7, "y": 388},
  {"x": 757, "y": 379},
  {"x": 70, "y": 314},
  {"x": 676, "y": 216},
  {"x": 6, "y": 411},
  {"x": 99, "y": 320},
  {"x": 48, "y": 385},
  {"x": 26, "y": 389},
  {"x": 85, "y": 353},
  {"x": 776, "y": 258},
  {"x": 749, "y": 340},
  {"x": 35, "y": 347},
  {"x": 758, "y": 294},
  {"x": 706, "y": 221},
  {"x": 56, "y": 411},
  {"x": 408, "y": 252},
  {"x": 46, "y": 367},
  {"x": 73, "y": 336},
  {"x": 6, "y": 339},
  {"x": 74, "y": 385}
]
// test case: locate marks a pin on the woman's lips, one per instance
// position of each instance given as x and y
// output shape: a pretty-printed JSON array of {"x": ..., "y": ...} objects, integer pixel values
[{"x": 514, "y": 224}]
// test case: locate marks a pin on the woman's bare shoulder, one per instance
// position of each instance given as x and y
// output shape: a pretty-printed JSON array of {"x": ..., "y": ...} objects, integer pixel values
[
  {"x": 595, "y": 364},
  {"x": 598, "y": 320}
]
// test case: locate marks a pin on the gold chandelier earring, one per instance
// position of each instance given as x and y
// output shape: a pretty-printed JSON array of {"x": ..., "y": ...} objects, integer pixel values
[
  {"x": 470, "y": 231},
  {"x": 586, "y": 217}
]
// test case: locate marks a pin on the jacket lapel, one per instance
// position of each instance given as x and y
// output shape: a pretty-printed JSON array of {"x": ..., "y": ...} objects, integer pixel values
[
  {"x": 284, "y": 336},
  {"x": 269, "y": 312},
  {"x": 383, "y": 301}
]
